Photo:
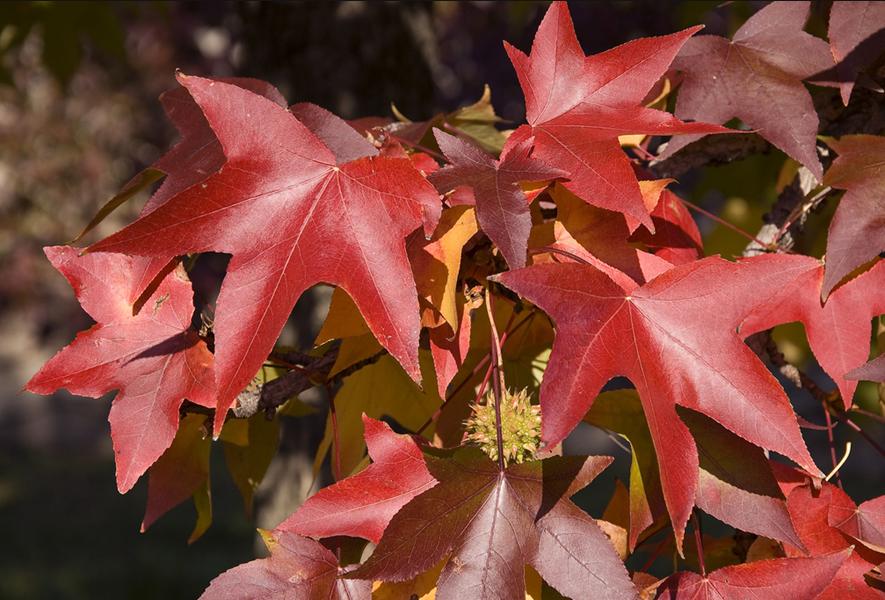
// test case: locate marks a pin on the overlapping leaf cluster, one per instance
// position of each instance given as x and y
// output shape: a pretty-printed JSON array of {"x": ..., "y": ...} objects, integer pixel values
[{"x": 467, "y": 258}]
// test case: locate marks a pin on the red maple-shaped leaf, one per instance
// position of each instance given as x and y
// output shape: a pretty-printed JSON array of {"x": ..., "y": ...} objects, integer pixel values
[
  {"x": 502, "y": 209},
  {"x": 825, "y": 523},
  {"x": 856, "y": 31},
  {"x": 857, "y": 231},
  {"x": 362, "y": 505},
  {"x": 578, "y": 105},
  {"x": 757, "y": 77},
  {"x": 675, "y": 339},
  {"x": 298, "y": 568},
  {"x": 154, "y": 357},
  {"x": 838, "y": 331},
  {"x": 776, "y": 578},
  {"x": 292, "y": 216},
  {"x": 487, "y": 524},
  {"x": 192, "y": 159}
]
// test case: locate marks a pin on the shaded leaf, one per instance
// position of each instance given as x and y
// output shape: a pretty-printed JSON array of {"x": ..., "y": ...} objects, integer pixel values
[
  {"x": 501, "y": 206},
  {"x": 857, "y": 231}
]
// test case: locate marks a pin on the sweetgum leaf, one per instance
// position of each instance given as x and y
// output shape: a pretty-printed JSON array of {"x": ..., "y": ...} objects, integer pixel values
[
  {"x": 675, "y": 339},
  {"x": 298, "y": 568},
  {"x": 871, "y": 371},
  {"x": 856, "y": 32},
  {"x": 501, "y": 206},
  {"x": 363, "y": 504},
  {"x": 857, "y": 231},
  {"x": 578, "y": 105},
  {"x": 815, "y": 516},
  {"x": 154, "y": 357},
  {"x": 839, "y": 331},
  {"x": 292, "y": 216},
  {"x": 757, "y": 77},
  {"x": 776, "y": 578},
  {"x": 488, "y": 524}
]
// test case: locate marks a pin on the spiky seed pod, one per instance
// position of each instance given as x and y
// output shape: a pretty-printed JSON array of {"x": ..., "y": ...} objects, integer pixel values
[{"x": 520, "y": 427}]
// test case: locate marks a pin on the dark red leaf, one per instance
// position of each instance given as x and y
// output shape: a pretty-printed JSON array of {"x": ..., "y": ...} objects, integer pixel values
[
  {"x": 856, "y": 36},
  {"x": 487, "y": 524},
  {"x": 757, "y": 77},
  {"x": 857, "y": 231},
  {"x": 502, "y": 209}
]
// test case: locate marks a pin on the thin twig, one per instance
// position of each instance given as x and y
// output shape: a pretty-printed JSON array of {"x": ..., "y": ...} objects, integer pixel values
[
  {"x": 417, "y": 146},
  {"x": 723, "y": 222},
  {"x": 497, "y": 380},
  {"x": 555, "y": 250},
  {"x": 699, "y": 544},
  {"x": 451, "y": 395}
]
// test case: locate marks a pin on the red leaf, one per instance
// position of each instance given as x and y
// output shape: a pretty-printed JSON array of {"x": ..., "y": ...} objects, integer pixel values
[
  {"x": 839, "y": 331},
  {"x": 577, "y": 106},
  {"x": 757, "y": 77},
  {"x": 857, "y": 231},
  {"x": 502, "y": 209},
  {"x": 865, "y": 523},
  {"x": 292, "y": 216},
  {"x": 674, "y": 338},
  {"x": 193, "y": 158},
  {"x": 362, "y": 505},
  {"x": 154, "y": 357},
  {"x": 488, "y": 523},
  {"x": 298, "y": 569},
  {"x": 775, "y": 578},
  {"x": 812, "y": 514}
]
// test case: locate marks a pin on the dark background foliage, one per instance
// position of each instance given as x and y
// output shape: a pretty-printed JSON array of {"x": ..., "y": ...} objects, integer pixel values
[{"x": 79, "y": 116}]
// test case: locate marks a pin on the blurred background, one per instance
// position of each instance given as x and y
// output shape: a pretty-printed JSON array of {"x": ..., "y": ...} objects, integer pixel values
[{"x": 79, "y": 116}]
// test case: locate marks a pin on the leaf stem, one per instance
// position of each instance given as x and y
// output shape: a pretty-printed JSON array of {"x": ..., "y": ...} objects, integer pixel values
[
  {"x": 866, "y": 413},
  {"x": 482, "y": 363},
  {"x": 336, "y": 440},
  {"x": 497, "y": 380},
  {"x": 832, "y": 443},
  {"x": 724, "y": 223},
  {"x": 845, "y": 419},
  {"x": 699, "y": 544},
  {"x": 417, "y": 146},
  {"x": 555, "y": 250}
]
